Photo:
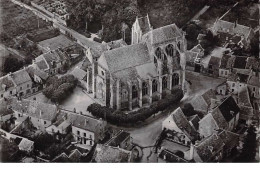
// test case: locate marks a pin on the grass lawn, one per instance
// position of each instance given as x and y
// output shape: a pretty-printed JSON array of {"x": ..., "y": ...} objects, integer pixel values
[{"x": 16, "y": 20}]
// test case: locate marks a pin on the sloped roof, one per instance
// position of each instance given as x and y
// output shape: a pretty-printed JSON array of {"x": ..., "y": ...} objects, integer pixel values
[
  {"x": 42, "y": 64},
  {"x": 116, "y": 44},
  {"x": 78, "y": 73},
  {"x": 110, "y": 154},
  {"x": 243, "y": 97},
  {"x": 219, "y": 118},
  {"x": 224, "y": 61},
  {"x": 232, "y": 28},
  {"x": 229, "y": 138},
  {"x": 33, "y": 71},
  {"x": 6, "y": 82},
  {"x": 198, "y": 48},
  {"x": 215, "y": 61},
  {"x": 170, "y": 157},
  {"x": 163, "y": 34},
  {"x": 208, "y": 95},
  {"x": 126, "y": 57},
  {"x": 253, "y": 63},
  {"x": 195, "y": 121},
  {"x": 75, "y": 155},
  {"x": 240, "y": 62},
  {"x": 25, "y": 144},
  {"x": 229, "y": 108},
  {"x": 20, "y": 77},
  {"x": 34, "y": 109},
  {"x": 183, "y": 124},
  {"x": 254, "y": 80},
  {"x": 55, "y": 56},
  {"x": 118, "y": 139},
  {"x": 208, "y": 147}
]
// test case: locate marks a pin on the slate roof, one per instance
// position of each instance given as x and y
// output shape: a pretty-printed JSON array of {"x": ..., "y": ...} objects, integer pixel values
[
  {"x": 110, "y": 154},
  {"x": 183, "y": 124},
  {"x": 229, "y": 108},
  {"x": 208, "y": 147},
  {"x": 20, "y": 77},
  {"x": 219, "y": 118},
  {"x": 7, "y": 81},
  {"x": 163, "y": 34},
  {"x": 34, "y": 109},
  {"x": 240, "y": 62},
  {"x": 75, "y": 155},
  {"x": 126, "y": 57},
  {"x": 224, "y": 61},
  {"x": 144, "y": 24}
]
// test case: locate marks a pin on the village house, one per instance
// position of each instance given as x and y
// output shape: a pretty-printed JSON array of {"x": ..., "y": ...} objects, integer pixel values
[
  {"x": 223, "y": 116},
  {"x": 41, "y": 115},
  {"x": 167, "y": 156},
  {"x": 122, "y": 140},
  {"x": 193, "y": 58},
  {"x": 53, "y": 62},
  {"x": 38, "y": 76},
  {"x": 7, "y": 86},
  {"x": 81, "y": 76},
  {"x": 60, "y": 126},
  {"x": 26, "y": 145},
  {"x": 221, "y": 89},
  {"x": 105, "y": 154},
  {"x": 233, "y": 33},
  {"x": 236, "y": 81},
  {"x": 182, "y": 131},
  {"x": 225, "y": 68},
  {"x": 202, "y": 102},
  {"x": 138, "y": 74},
  {"x": 213, "y": 66},
  {"x": 87, "y": 130}
]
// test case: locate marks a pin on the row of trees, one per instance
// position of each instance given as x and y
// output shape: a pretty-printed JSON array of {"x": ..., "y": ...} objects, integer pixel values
[
  {"x": 57, "y": 89},
  {"x": 121, "y": 118}
]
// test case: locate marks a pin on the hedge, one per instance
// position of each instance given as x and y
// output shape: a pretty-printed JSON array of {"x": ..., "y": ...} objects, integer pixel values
[{"x": 119, "y": 117}]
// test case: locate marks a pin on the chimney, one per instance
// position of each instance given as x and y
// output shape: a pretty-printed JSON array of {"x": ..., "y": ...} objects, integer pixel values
[{"x": 191, "y": 151}]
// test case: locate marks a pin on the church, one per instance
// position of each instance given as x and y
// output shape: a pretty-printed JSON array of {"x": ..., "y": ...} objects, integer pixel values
[{"x": 130, "y": 76}]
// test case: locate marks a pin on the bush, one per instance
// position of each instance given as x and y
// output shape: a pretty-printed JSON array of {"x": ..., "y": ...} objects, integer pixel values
[
  {"x": 58, "y": 89},
  {"x": 120, "y": 118}
]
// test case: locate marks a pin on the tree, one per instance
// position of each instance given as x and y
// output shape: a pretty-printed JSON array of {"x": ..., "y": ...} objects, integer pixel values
[{"x": 12, "y": 64}]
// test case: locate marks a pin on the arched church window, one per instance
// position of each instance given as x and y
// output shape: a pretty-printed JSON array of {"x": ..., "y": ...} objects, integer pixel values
[
  {"x": 155, "y": 60},
  {"x": 170, "y": 50},
  {"x": 179, "y": 45},
  {"x": 164, "y": 82},
  {"x": 134, "y": 92},
  {"x": 100, "y": 90},
  {"x": 144, "y": 88},
  {"x": 155, "y": 86},
  {"x": 175, "y": 79},
  {"x": 158, "y": 52}
]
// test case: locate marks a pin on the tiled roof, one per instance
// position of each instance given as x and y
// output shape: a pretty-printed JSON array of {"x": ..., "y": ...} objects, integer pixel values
[
  {"x": 42, "y": 65},
  {"x": 219, "y": 118},
  {"x": 55, "y": 56},
  {"x": 6, "y": 82},
  {"x": 163, "y": 34},
  {"x": 34, "y": 109},
  {"x": 229, "y": 138},
  {"x": 229, "y": 108},
  {"x": 253, "y": 63},
  {"x": 243, "y": 97},
  {"x": 78, "y": 73},
  {"x": 208, "y": 147},
  {"x": 232, "y": 28},
  {"x": 215, "y": 61},
  {"x": 110, "y": 154},
  {"x": 240, "y": 62},
  {"x": 183, "y": 124},
  {"x": 208, "y": 95},
  {"x": 20, "y": 77},
  {"x": 230, "y": 62},
  {"x": 144, "y": 24},
  {"x": 126, "y": 57},
  {"x": 75, "y": 155},
  {"x": 33, "y": 71},
  {"x": 117, "y": 44}
]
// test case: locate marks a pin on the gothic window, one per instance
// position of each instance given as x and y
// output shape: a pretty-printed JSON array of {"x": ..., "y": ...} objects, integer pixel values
[
  {"x": 134, "y": 92},
  {"x": 155, "y": 61},
  {"x": 170, "y": 50},
  {"x": 100, "y": 90},
  {"x": 175, "y": 79},
  {"x": 179, "y": 45},
  {"x": 144, "y": 89},
  {"x": 158, "y": 53},
  {"x": 164, "y": 82},
  {"x": 155, "y": 86}
]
